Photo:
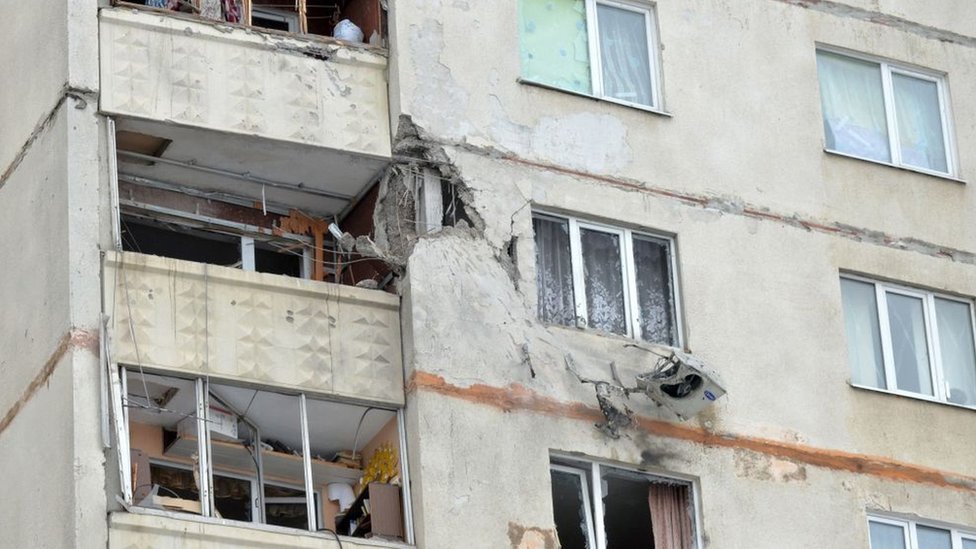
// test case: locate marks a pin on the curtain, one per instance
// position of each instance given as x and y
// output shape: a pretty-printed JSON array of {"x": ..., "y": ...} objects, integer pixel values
[
  {"x": 624, "y": 54},
  {"x": 919, "y": 122},
  {"x": 887, "y": 536},
  {"x": 908, "y": 343},
  {"x": 853, "y": 106},
  {"x": 863, "y": 333},
  {"x": 554, "y": 272},
  {"x": 956, "y": 345},
  {"x": 603, "y": 280},
  {"x": 652, "y": 266},
  {"x": 670, "y": 516},
  {"x": 553, "y": 43}
]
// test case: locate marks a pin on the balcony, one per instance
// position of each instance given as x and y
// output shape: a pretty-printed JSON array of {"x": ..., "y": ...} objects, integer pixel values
[
  {"x": 138, "y": 530},
  {"x": 222, "y": 103},
  {"x": 175, "y": 315}
]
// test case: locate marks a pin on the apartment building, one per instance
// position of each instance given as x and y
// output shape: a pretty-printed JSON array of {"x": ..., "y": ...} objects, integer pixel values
[{"x": 597, "y": 274}]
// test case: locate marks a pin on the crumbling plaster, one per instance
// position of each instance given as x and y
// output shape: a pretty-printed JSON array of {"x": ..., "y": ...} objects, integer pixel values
[
  {"x": 773, "y": 329},
  {"x": 717, "y": 92}
]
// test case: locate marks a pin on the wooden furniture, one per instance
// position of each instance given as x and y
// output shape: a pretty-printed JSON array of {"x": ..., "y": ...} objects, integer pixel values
[{"x": 376, "y": 512}]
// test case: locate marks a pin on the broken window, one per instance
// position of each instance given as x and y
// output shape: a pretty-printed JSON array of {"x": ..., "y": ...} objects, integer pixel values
[
  {"x": 910, "y": 341},
  {"x": 606, "y": 49},
  {"x": 611, "y": 279},
  {"x": 601, "y": 507},
  {"x": 884, "y": 112},
  {"x": 254, "y": 455},
  {"x": 321, "y": 18},
  {"x": 892, "y": 533}
]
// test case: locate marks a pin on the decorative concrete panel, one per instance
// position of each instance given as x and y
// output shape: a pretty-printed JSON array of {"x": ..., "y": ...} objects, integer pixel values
[
  {"x": 258, "y": 328},
  {"x": 228, "y": 78},
  {"x": 146, "y": 531}
]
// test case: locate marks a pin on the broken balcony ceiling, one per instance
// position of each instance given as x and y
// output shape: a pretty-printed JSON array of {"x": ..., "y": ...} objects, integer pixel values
[{"x": 316, "y": 180}]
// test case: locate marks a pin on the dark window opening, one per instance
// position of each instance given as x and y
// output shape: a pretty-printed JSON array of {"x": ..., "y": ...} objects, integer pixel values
[
  {"x": 180, "y": 243},
  {"x": 638, "y": 510},
  {"x": 569, "y": 509},
  {"x": 627, "y": 516}
]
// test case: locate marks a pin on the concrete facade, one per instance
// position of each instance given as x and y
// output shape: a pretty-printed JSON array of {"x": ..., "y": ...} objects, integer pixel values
[{"x": 733, "y": 167}]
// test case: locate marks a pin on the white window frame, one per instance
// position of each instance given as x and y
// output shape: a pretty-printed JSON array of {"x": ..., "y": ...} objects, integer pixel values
[
  {"x": 891, "y": 116},
  {"x": 910, "y": 529},
  {"x": 591, "y": 474},
  {"x": 628, "y": 274},
  {"x": 596, "y": 59},
  {"x": 207, "y": 470},
  {"x": 936, "y": 372}
]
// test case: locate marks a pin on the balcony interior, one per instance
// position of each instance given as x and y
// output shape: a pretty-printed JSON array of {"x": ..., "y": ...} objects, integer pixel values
[{"x": 245, "y": 202}]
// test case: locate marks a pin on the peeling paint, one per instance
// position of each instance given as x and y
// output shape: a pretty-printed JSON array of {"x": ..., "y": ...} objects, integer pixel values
[
  {"x": 523, "y": 537},
  {"x": 763, "y": 467}
]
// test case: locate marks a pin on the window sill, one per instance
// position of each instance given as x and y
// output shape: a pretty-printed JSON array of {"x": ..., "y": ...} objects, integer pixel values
[
  {"x": 922, "y": 171},
  {"x": 913, "y": 396},
  {"x": 364, "y": 542},
  {"x": 635, "y": 106},
  {"x": 627, "y": 340}
]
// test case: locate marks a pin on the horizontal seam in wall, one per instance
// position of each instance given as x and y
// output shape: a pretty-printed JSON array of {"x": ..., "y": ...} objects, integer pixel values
[
  {"x": 72, "y": 339},
  {"x": 730, "y": 206},
  {"x": 82, "y": 95},
  {"x": 843, "y": 10},
  {"x": 519, "y": 397}
]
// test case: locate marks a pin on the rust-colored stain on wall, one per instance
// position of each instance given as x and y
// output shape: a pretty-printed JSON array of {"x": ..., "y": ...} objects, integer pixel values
[
  {"x": 523, "y": 537},
  {"x": 518, "y": 397}
]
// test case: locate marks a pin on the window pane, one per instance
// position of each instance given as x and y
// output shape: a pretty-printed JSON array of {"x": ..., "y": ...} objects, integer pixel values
[
  {"x": 654, "y": 294},
  {"x": 624, "y": 54},
  {"x": 337, "y": 429},
  {"x": 568, "y": 510},
  {"x": 908, "y": 345},
  {"x": 863, "y": 333},
  {"x": 958, "y": 355},
  {"x": 162, "y": 422},
  {"x": 246, "y": 421},
  {"x": 554, "y": 272},
  {"x": 627, "y": 511},
  {"x": 968, "y": 544},
  {"x": 853, "y": 106},
  {"x": 603, "y": 280},
  {"x": 919, "y": 122},
  {"x": 554, "y": 45},
  {"x": 887, "y": 536},
  {"x": 933, "y": 538}
]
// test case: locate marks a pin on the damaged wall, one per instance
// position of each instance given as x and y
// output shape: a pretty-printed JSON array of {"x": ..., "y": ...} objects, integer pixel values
[{"x": 763, "y": 227}]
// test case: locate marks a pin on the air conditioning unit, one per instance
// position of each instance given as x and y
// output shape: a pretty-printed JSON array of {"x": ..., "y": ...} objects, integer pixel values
[{"x": 682, "y": 384}]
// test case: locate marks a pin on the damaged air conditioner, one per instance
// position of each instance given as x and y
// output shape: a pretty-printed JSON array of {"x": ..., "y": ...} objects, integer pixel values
[{"x": 680, "y": 383}]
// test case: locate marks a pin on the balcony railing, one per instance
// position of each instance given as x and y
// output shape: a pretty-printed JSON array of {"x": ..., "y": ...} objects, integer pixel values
[
  {"x": 175, "y": 315},
  {"x": 171, "y": 68}
]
